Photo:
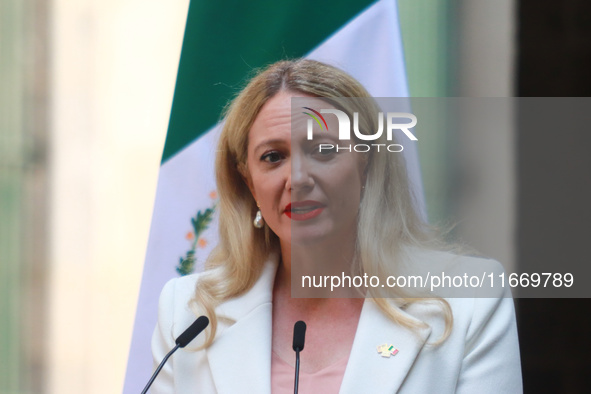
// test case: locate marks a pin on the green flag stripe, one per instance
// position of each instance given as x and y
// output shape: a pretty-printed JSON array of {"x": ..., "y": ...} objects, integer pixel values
[{"x": 225, "y": 41}]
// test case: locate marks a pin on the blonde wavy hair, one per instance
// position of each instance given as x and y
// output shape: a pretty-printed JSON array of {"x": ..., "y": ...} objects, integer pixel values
[{"x": 386, "y": 225}]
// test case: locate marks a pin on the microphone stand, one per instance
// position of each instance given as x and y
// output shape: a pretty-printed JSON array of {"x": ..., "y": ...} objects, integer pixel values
[
  {"x": 183, "y": 340},
  {"x": 159, "y": 368},
  {"x": 297, "y": 372}
]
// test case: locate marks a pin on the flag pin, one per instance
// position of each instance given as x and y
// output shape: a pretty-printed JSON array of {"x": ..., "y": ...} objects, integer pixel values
[{"x": 387, "y": 351}]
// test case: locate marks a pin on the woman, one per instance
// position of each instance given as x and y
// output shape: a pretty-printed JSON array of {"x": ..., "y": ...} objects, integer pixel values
[{"x": 286, "y": 204}]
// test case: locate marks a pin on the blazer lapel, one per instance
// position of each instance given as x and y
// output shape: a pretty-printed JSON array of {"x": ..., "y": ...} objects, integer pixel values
[
  {"x": 240, "y": 356},
  {"x": 369, "y": 372}
]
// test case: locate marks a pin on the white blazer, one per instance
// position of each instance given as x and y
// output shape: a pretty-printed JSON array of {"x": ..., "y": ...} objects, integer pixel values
[{"x": 480, "y": 356}]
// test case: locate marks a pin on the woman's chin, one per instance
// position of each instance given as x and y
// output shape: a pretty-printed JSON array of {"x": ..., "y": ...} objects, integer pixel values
[{"x": 310, "y": 236}]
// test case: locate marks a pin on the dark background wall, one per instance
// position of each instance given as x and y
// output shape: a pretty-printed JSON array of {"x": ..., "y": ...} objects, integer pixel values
[{"x": 554, "y": 206}]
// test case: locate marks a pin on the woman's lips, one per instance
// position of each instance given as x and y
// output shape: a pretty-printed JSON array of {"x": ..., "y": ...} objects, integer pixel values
[{"x": 303, "y": 210}]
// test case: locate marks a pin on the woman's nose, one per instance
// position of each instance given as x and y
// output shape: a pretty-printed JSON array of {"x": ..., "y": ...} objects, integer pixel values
[{"x": 300, "y": 177}]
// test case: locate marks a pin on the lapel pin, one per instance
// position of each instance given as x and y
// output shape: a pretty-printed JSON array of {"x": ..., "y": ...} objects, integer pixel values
[{"x": 387, "y": 351}]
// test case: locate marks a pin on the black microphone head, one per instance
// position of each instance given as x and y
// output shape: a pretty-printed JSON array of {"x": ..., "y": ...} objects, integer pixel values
[
  {"x": 299, "y": 335},
  {"x": 194, "y": 329}
]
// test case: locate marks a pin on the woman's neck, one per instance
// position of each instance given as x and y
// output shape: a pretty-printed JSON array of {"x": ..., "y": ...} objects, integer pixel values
[{"x": 302, "y": 265}]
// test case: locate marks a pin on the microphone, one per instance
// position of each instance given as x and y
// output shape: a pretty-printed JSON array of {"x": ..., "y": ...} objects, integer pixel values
[
  {"x": 190, "y": 333},
  {"x": 299, "y": 337},
  {"x": 183, "y": 340}
]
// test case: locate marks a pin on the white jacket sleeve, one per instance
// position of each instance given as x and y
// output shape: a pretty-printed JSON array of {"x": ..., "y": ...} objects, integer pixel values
[{"x": 491, "y": 361}]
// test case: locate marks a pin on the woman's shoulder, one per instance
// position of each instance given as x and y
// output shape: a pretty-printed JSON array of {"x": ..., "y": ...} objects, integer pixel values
[
  {"x": 483, "y": 340},
  {"x": 174, "y": 311},
  {"x": 180, "y": 287},
  {"x": 471, "y": 285}
]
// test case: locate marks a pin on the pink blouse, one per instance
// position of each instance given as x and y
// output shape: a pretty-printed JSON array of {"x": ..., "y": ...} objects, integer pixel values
[{"x": 327, "y": 381}]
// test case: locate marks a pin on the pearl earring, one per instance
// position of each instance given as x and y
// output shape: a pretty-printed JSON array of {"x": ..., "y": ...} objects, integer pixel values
[{"x": 258, "y": 221}]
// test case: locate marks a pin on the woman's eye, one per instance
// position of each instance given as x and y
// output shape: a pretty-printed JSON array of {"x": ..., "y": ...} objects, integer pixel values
[{"x": 271, "y": 157}]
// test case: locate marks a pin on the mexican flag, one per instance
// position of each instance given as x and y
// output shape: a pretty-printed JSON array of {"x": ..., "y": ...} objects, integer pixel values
[{"x": 223, "y": 43}]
